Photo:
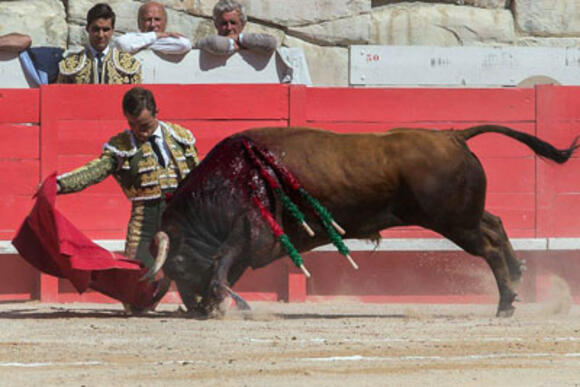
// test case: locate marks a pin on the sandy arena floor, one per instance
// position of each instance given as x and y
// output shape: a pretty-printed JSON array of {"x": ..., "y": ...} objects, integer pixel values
[{"x": 314, "y": 344}]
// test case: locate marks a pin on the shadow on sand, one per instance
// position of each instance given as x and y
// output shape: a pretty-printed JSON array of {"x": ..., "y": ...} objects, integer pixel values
[{"x": 54, "y": 313}]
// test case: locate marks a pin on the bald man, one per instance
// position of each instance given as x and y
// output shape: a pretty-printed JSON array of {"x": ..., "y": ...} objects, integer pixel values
[{"x": 152, "y": 22}]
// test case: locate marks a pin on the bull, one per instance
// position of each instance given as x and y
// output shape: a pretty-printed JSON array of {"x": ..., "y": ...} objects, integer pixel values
[{"x": 224, "y": 216}]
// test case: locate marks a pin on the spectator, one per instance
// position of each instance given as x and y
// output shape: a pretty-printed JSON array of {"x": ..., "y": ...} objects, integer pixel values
[
  {"x": 148, "y": 161},
  {"x": 99, "y": 62},
  {"x": 40, "y": 64},
  {"x": 152, "y": 21},
  {"x": 230, "y": 18},
  {"x": 14, "y": 42}
]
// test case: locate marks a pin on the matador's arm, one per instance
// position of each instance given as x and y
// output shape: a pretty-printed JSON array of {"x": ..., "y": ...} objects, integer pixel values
[{"x": 91, "y": 173}]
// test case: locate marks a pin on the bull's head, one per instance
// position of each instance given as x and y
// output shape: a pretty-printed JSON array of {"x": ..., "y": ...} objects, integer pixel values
[{"x": 189, "y": 273}]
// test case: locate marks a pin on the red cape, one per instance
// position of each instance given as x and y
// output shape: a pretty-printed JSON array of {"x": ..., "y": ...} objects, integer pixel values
[{"x": 53, "y": 245}]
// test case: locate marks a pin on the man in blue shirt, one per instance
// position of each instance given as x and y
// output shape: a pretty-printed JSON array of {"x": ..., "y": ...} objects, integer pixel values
[{"x": 40, "y": 64}]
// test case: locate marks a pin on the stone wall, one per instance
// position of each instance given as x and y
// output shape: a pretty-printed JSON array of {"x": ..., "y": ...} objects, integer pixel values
[{"x": 323, "y": 28}]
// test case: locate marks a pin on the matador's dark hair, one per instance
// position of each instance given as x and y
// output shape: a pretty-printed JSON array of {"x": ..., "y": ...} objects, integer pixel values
[
  {"x": 101, "y": 11},
  {"x": 137, "y": 99}
]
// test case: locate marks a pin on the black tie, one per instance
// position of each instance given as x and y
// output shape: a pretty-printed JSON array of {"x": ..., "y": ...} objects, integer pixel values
[
  {"x": 157, "y": 151},
  {"x": 99, "y": 66}
]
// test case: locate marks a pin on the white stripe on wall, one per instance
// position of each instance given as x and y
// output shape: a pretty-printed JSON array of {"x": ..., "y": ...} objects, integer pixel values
[{"x": 392, "y": 244}]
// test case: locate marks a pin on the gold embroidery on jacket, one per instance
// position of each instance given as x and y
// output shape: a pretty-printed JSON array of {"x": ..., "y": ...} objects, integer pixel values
[
  {"x": 135, "y": 167},
  {"x": 118, "y": 68},
  {"x": 134, "y": 229}
]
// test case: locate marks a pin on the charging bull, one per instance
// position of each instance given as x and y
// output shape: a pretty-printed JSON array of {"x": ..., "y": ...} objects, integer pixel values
[{"x": 229, "y": 213}]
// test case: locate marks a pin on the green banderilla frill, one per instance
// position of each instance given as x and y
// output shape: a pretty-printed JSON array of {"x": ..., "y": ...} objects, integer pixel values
[
  {"x": 335, "y": 238},
  {"x": 293, "y": 209},
  {"x": 320, "y": 210},
  {"x": 329, "y": 224},
  {"x": 293, "y": 253}
]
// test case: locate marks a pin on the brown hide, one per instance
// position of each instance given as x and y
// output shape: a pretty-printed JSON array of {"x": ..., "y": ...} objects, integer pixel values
[{"x": 379, "y": 180}]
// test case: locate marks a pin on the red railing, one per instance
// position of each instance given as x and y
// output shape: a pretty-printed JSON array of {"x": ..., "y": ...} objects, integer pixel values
[{"x": 59, "y": 127}]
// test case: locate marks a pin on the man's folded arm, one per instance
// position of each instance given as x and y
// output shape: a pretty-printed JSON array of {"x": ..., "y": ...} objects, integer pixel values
[{"x": 172, "y": 45}]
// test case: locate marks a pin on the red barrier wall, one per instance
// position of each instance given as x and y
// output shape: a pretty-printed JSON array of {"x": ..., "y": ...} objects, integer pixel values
[
  {"x": 19, "y": 176},
  {"x": 60, "y": 127}
]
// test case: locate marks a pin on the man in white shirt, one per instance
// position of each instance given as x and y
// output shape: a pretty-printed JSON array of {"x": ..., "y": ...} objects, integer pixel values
[{"x": 152, "y": 21}]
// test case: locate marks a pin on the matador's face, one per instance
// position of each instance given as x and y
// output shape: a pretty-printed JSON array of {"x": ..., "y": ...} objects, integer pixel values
[
  {"x": 100, "y": 33},
  {"x": 143, "y": 125}
]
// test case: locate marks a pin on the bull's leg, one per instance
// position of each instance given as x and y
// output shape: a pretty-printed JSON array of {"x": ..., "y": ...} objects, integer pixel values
[
  {"x": 190, "y": 298},
  {"x": 487, "y": 243},
  {"x": 234, "y": 274},
  {"x": 506, "y": 288},
  {"x": 218, "y": 287},
  {"x": 493, "y": 224}
]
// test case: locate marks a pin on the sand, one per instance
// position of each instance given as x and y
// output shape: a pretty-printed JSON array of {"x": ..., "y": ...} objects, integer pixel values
[{"x": 321, "y": 344}]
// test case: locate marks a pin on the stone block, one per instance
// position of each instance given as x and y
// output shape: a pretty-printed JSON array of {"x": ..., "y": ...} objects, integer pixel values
[
  {"x": 290, "y": 13},
  {"x": 533, "y": 41},
  {"x": 125, "y": 12},
  {"x": 328, "y": 65},
  {"x": 473, "y": 3},
  {"x": 43, "y": 20},
  {"x": 190, "y": 26},
  {"x": 261, "y": 29},
  {"x": 188, "y": 6},
  {"x": 341, "y": 32},
  {"x": 557, "y": 18},
  {"x": 440, "y": 25},
  {"x": 77, "y": 37}
]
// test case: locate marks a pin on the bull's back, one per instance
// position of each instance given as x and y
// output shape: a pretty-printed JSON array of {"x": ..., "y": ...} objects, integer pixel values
[
  {"x": 324, "y": 162},
  {"x": 361, "y": 164}
]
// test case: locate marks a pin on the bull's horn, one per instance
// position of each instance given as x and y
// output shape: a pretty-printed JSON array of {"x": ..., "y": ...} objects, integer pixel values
[{"x": 161, "y": 240}]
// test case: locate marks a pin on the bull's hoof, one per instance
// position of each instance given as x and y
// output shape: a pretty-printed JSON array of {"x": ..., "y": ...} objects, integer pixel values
[
  {"x": 198, "y": 313},
  {"x": 506, "y": 312},
  {"x": 203, "y": 310}
]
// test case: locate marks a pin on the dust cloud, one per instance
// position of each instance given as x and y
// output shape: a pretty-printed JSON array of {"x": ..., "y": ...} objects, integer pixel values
[{"x": 558, "y": 298}]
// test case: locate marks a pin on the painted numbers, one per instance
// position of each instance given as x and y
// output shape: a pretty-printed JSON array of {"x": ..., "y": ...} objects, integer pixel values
[{"x": 372, "y": 58}]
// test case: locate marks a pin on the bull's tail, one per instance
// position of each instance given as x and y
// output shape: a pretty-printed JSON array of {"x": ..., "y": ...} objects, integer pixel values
[{"x": 540, "y": 147}]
